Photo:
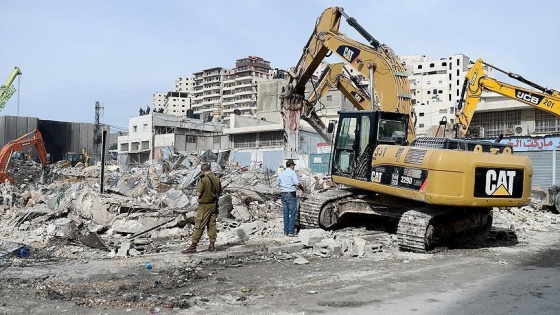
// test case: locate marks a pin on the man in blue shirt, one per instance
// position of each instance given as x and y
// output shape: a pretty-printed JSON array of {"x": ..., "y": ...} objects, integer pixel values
[{"x": 288, "y": 182}]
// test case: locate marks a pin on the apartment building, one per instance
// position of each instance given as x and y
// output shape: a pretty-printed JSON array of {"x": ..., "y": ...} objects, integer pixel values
[
  {"x": 207, "y": 93},
  {"x": 240, "y": 86},
  {"x": 435, "y": 87},
  {"x": 177, "y": 101}
]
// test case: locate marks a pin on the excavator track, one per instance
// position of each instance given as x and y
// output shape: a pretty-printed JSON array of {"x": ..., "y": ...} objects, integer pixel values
[
  {"x": 310, "y": 209},
  {"x": 414, "y": 232},
  {"x": 421, "y": 229}
]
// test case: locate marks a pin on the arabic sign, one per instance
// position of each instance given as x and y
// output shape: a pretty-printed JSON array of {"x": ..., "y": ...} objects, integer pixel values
[{"x": 533, "y": 143}]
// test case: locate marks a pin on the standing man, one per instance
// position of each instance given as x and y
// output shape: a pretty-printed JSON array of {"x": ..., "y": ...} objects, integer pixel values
[
  {"x": 208, "y": 193},
  {"x": 289, "y": 182}
]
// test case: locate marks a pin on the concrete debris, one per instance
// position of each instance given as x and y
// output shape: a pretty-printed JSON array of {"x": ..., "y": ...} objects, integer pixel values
[
  {"x": 151, "y": 208},
  {"x": 245, "y": 230},
  {"x": 301, "y": 261}
]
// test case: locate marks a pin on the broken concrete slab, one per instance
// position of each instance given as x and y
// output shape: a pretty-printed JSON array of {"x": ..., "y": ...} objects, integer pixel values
[
  {"x": 93, "y": 240},
  {"x": 327, "y": 247},
  {"x": 288, "y": 248},
  {"x": 175, "y": 199}
]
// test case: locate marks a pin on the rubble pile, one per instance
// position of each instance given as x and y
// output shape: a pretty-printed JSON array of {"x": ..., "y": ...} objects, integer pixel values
[
  {"x": 144, "y": 210},
  {"x": 151, "y": 208}
]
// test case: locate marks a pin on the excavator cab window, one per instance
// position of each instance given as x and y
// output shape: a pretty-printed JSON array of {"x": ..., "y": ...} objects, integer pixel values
[
  {"x": 354, "y": 145},
  {"x": 391, "y": 131}
]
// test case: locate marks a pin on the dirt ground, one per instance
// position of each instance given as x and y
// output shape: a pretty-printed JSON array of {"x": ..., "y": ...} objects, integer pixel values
[{"x": 515, "y": 273}]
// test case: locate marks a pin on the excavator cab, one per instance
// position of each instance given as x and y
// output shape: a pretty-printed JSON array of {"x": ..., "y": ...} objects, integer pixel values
[{"x": 358, "y": 134}]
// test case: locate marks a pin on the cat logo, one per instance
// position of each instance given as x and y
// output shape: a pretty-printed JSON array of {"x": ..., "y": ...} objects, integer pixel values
[
  {"x": 347, "y": 54},
  {"x": 376, "y": 176},
  {"x": 499, "y": 183}
]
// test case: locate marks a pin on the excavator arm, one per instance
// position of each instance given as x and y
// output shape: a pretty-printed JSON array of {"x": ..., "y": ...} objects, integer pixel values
[
  {"x": 333, "y": 77},
  {"x": 7, "y": 90},
  {"x": 33, "y": 138},
  {"x": 376, "y": 62},
  {"x": 476, "y": 81}
]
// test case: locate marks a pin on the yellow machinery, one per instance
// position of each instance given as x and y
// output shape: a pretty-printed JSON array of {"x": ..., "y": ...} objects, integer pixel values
[
  {"x": 7, "y": 90},
  {"x": 476, "y": 81},
  {"x": 333, "y": 77},
  {"x": 435, "y": 187}
]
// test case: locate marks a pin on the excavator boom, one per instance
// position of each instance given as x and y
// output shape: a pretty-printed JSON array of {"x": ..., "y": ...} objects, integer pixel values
[
  {"x": 7, "y": 90},
  {"x": 333, "y": 77},
  {"x": 376, "y": 62},
  {"x": 476, "y": 81},
  {"x": 34, "y": 139}
]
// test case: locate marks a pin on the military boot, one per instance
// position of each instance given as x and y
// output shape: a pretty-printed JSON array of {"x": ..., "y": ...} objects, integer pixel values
[
  {"x": 212, "y": 247},
  {"x": 190, "y": 250}
]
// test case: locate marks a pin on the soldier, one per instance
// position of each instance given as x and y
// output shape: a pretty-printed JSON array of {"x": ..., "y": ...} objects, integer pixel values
[{"x": 208, "y": 192}]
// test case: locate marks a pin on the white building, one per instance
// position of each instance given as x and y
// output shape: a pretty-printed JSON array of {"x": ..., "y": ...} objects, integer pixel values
[
  {"x": 435, "y": 85},
  {"x": 207, "y": 92},
  {"x": 150, "y": 135},
  {"x": 177, "y": 101}
]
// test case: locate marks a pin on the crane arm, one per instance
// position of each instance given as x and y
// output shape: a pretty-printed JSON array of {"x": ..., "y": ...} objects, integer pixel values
[
  {"x": 476, "y": 81},
  {"x": 7, "y": 90},
  {"x": 33, "y": 138}
]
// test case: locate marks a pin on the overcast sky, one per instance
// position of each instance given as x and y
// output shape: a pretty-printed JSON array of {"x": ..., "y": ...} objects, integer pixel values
[{"x": 73, "y": 53}]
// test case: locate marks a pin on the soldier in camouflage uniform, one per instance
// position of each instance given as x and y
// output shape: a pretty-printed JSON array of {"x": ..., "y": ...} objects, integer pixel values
[{"x": 208, "y": 192}]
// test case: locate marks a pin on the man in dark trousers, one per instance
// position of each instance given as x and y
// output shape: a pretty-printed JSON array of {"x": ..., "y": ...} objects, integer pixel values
[
  {"x": 288, "y": 182},
  {"x": 208, "y": 192}
]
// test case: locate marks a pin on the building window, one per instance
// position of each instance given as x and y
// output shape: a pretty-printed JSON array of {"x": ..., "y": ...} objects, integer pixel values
[
  {"x": 428, "y": 82},
  {"x": 217, "y": 139},
  {"x": 421, "y": 125},
  {"x": 443, "y": 111},
  {"x": 546, "y": 122},
  {"x": 145, "y": 145},
  {"x": 329, "y": 97},
  {"x": 135, "y": 146},
  {"x": 428, "y": 92},
  {"x": 434, "y": 91},
  {"x": 134, "y": 128},
  {"x": 124, "y": 147},
  {"x": 419, "y": 66},
  {"x": 444, "y": 63},
  {"x": 432, "y": 65},
  {"x": 451, "y": 110},
  {"x": 245, "y": 140},
  {"x": 495, "y": 123},
  {"x": 270, "y": 139},
  {"x": 145, "y": 127},
  {"x": 191, "y": 139},
  {"x": 421, "y": 114}
]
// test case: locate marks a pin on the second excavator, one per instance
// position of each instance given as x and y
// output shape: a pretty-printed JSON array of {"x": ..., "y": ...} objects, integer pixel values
[{"x": 436, "y": 188}]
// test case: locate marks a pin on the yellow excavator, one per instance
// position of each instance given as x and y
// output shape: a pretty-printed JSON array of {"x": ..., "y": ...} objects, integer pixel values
[
  {"x": 7, "y": 90},
  {"x": 436, "y": 188},
  {"x": 476, "y": 81},
  {"x": 333, "y": 77}
]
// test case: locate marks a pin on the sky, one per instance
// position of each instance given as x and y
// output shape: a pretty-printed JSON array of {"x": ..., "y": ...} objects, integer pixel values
[{"x": 74, "y": 53}]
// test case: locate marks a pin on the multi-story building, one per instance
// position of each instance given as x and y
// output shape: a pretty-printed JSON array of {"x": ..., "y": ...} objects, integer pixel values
[
  {"x": 177, "y": 101},
  {"x": 207, "y": 93},
  {"x": 241, "y": 86},
  {"x": 435, "y": 87}
]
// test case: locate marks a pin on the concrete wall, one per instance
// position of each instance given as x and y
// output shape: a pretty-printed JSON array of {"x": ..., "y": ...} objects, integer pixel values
[{"x": 60, "y": 137}]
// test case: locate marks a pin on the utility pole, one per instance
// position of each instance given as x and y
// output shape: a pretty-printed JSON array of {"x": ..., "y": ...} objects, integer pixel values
[{"x": 97, "y": 136}]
